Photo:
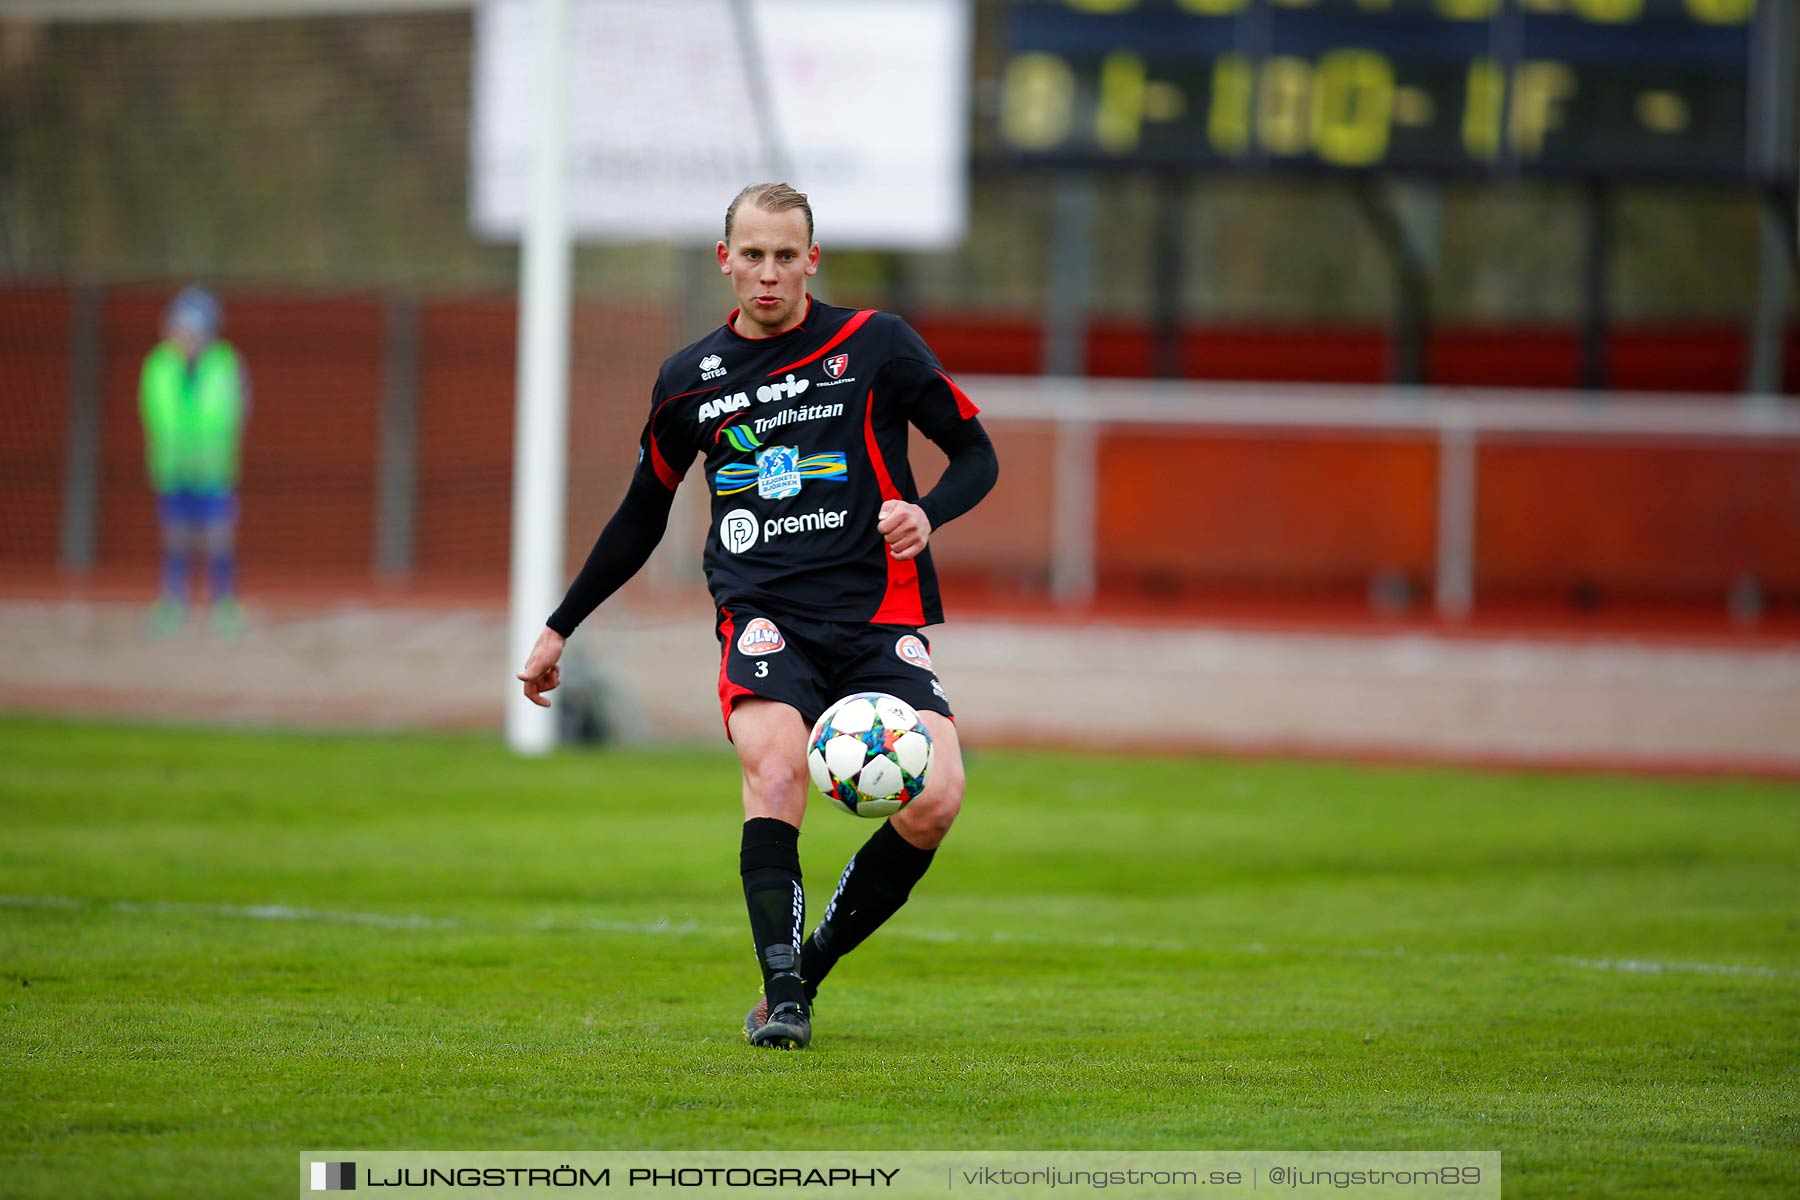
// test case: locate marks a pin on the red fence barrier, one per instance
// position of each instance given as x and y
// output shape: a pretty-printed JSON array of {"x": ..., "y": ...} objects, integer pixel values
[{"x": 1177, "y": 512}]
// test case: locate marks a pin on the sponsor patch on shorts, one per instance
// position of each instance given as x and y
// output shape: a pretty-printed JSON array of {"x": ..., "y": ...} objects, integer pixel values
[
  {"x": 760, "y": 637},
  {"x": 912, "y": 650}
]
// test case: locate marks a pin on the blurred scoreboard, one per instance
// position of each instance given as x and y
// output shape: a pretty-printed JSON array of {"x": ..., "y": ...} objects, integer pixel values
[{"x": 1663, "y": 88}]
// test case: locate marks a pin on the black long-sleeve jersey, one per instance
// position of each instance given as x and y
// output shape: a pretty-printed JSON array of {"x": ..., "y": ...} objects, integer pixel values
[{"x": 802, "y": 437}]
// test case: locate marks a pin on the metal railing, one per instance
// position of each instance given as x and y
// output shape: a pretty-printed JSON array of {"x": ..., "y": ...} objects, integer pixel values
[{"x": 1078, "y": 410}]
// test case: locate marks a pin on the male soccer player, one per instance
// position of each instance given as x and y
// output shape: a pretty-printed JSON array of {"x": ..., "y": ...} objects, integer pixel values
[{"x": 817, "y": 563}]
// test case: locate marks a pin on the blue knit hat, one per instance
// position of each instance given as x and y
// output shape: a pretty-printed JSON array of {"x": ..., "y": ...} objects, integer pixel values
[{"x": 197, "y": 310}]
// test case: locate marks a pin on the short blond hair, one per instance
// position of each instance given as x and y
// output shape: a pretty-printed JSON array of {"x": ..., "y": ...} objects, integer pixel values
[{"x": 771, "y": 197}]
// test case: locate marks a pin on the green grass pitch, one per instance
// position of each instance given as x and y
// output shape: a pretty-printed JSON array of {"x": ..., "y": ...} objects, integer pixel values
[{"x": 217, "y": 950}]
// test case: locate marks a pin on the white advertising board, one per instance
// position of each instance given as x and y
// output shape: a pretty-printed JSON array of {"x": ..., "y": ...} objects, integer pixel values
[{"x": 869, "y": 103}]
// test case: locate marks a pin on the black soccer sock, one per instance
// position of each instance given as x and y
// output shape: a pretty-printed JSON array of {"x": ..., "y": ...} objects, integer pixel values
[
  {"x": 875, "y": 883},
  {"x": 770, "y": 863}
]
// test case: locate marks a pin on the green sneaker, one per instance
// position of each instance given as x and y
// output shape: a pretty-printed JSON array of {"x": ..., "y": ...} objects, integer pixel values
[
  {"x": 165, "y": 618},
  {"x": 228, "y": 618}
]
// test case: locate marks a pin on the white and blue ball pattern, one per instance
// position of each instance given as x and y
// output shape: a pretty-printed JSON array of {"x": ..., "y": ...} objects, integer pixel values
[{"x": 869, "y": 754}]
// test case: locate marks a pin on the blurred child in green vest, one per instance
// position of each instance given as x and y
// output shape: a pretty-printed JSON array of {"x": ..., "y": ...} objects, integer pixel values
[{"x": 195, "y": 398}]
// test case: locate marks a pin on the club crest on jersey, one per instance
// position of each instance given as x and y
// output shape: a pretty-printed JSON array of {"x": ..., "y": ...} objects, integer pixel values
[
  {"x": 711, "y": 367},
  {"x": 760, "y": 637},
  {"x": 836, "y": 365},
  {"x": 779, "y": 471},
  {"x": 912, "y": 651}
]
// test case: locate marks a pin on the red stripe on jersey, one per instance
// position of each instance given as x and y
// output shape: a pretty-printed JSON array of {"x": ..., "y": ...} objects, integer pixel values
[
  {"x": 696, "y": 392},
  {"x": 729, "y": 692},
  {"x": 901, "y": 604},
  {"x": 964, "y": 405},
  {"x": 851, "y": 326},
  {"x": 671, "y": 478}
]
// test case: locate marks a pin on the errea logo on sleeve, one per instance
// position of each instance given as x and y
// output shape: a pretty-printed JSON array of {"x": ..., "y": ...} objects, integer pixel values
[{"x": 710, "y": 367}]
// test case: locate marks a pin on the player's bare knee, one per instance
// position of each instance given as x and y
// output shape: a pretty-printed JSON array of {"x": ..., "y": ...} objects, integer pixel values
[
  {"x": 776, "y": 776},
  {"x": 942, "y": 815},
  {"x": 947, "y": 782},
  {"x": 775, "y": 786},
  {"x": 927, "y": 820}
]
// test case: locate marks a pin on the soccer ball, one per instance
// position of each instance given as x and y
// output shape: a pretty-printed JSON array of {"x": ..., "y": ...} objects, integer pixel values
[{"x": 869, "y": 754}]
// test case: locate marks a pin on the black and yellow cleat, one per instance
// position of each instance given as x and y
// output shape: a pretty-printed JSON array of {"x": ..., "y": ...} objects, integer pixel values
[
  {"x": 756, "y": 1017},
  {"x": 785, "y": 1028}
]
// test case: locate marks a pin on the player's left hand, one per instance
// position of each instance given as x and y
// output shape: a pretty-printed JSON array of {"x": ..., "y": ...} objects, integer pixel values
[
  {"x": 905, "y": 526},
  {"x": 541, "y": 674}
]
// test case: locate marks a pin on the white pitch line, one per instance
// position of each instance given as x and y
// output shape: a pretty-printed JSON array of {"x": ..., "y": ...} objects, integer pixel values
[
  {"x": 1640, "y": 966},
  {"x": 242, "y": 912},
  {"x": 999, "y": 937}
]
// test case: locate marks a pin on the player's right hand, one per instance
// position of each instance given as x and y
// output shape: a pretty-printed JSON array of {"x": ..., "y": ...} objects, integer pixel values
[{"x": 541, "y": 674}]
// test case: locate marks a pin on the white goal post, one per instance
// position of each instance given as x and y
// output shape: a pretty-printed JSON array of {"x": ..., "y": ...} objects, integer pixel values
[{"x": 540, "y": 444}]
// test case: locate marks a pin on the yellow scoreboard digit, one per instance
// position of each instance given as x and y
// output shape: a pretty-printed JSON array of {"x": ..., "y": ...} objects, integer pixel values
[{"x": 1661, "y": 87}]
